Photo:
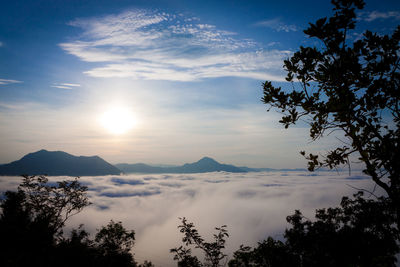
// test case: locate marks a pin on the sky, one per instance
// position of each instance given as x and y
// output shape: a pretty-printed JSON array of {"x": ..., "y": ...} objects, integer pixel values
[{"x": 157, "y": 81}]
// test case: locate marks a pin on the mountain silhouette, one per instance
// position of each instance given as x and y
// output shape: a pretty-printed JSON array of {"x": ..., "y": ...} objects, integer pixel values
[
  {"x": 205, "y": 164},
  {"x": 61, "y": 163},
  {"x": 140, "y": 168},
  {"x": 58, "y": 163}
]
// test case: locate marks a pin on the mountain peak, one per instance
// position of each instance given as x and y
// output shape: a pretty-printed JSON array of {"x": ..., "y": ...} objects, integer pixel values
[
  {"x": 208, "y": 160},
  {"x": 42, "y": 151},
  {"x": 58, "y": 163},
  {"x": 205, "y": 164}
]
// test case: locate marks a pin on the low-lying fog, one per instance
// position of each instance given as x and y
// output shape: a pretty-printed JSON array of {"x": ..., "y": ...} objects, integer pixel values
[{"x": 252, "y": 205}]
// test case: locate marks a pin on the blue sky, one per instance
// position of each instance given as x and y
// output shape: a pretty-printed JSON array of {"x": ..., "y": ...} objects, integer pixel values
[{"x": 185, "y": 76}]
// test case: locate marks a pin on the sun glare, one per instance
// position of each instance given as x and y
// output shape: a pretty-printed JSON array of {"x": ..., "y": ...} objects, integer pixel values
[{"x": 118, "y": 120}]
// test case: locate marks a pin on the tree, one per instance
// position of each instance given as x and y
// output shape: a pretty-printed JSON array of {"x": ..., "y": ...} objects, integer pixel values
[
  {"x": 212, "y": 251},
  {"x": 115, "y": 244},
  {"x": 348, "y": 86},
  {"x": 147, "y": 264},
  {"x": 361, "y": 232},
  {"x": 268, "y": 253},
  {"x": 31, "y": 229},
  {"x": 81, "y": 247},
  {"x": 54, "y": 203},
  {"x": 32, "y": 218},
  {"x": 111, "y": 247}
]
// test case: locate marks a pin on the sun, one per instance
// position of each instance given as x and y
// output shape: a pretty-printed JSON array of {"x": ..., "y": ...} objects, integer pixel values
[{"x": 118, "y": 120}]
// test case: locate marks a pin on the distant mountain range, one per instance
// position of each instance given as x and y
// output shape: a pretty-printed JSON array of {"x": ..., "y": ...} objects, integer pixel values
[
  {"x": 58, "y": 163},
  {"x": 206, "y": 164},
  {"x": 61, "y": 163}
]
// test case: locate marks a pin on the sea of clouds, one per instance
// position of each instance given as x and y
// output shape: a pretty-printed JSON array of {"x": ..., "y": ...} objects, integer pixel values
[{"x": 252, "y": 205}]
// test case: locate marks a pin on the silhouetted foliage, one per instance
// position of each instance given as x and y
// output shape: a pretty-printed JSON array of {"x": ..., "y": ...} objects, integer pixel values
[
  {"x": 348, "y": 86},
  {"x": 115, "y": 243},
  {"x": 32, "y": 218},
  {"x": 269, "y": 253},
  {"x": 185, "y": 258},
  {"x": 81, "y": 247},
  {"x": 361, "y": 232},
  {"x": 146, "y": 264},
  {"x": 212, "y": 251},
  {"x": 31, "y": 229},
  {"x": 111, "y": 247},
  {"x": 53, "y": 203}
]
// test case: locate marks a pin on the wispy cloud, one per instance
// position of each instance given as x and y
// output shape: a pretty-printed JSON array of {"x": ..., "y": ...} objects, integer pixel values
[
  {"x": 277, "y": 25},
  {"x": 159, "y": 46},
  {"x": 4, "y": 105},
  {"x": 17, "y": 106},
  {"x": 1, "y": 44},
  {"x": 67, "y": 86},
  {"x": 6, "y": 81},
  {"x": 374, "y": 15}
]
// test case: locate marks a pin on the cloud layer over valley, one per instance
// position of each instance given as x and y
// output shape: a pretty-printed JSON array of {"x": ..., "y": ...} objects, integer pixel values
[{"x": 252, "y": 205}]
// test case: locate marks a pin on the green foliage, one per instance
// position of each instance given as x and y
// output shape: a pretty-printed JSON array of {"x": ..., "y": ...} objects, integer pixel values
[
  {"x": 361, "y": 232},
  {"x": 212, "y": 251},
  {"x": 351, "y": 87}
]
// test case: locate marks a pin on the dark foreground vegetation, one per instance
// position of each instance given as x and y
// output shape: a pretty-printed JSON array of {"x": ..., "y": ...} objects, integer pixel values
[
  {"x": 361, "y": 232},
  {"x": 350, "y": 87},
  {"x": 31, "y": 229}
]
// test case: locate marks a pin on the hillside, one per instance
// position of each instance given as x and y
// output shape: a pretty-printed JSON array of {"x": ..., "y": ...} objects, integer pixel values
[{"x": 58, "y": 163}]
